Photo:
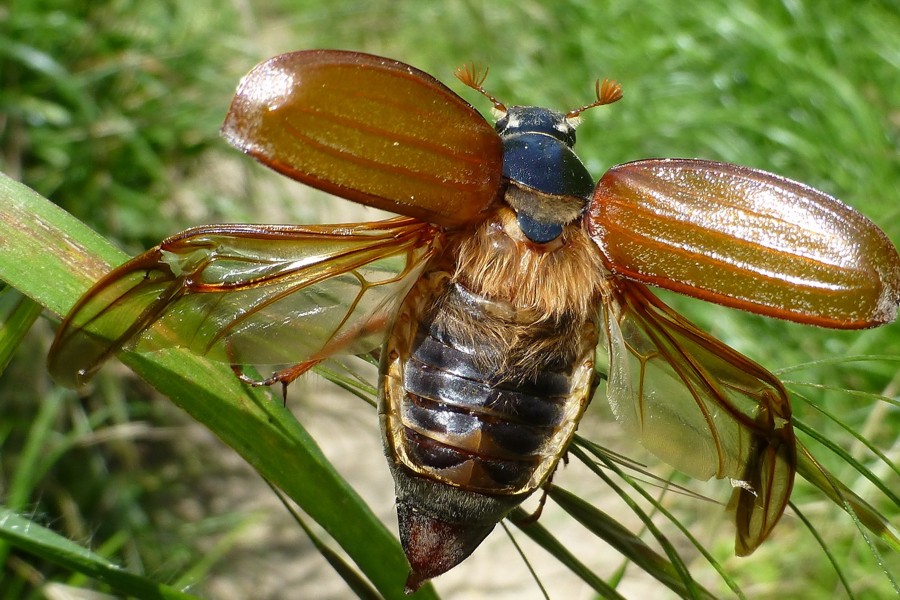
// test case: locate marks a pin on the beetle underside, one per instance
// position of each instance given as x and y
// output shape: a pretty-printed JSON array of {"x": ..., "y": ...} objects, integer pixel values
[{"x": 482, "y": 390}]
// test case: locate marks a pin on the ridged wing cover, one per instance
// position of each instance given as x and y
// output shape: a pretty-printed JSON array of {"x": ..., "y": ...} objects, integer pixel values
[
  {"x": 745, "y": 238},
  {"x": 371, "y": 130}
]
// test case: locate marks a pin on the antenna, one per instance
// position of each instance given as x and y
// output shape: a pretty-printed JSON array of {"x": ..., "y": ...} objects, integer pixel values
[
  {"x": 607, "y": 92},
  {"x": 473, "y": 75}
]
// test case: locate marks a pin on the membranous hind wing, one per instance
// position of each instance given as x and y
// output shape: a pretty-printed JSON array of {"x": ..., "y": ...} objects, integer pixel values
[
  {"x": 249, "y": 294},
  {"x": 700, "y": 406}
]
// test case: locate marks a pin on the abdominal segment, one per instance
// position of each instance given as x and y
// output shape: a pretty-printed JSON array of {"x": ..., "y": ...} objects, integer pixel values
[{"x": 465, "y": 405}]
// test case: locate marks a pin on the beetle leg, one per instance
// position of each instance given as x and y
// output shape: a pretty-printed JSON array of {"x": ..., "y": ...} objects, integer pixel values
[
  {"x": 285, "y": 377},
  {"x": 545, "y": 488},
  {"x": 534, "y": 516}
]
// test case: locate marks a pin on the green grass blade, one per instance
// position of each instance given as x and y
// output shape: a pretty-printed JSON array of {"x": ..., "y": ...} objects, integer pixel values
[
  {"x": 864, "y": 516},
  {"x": 844, "y": 497},
  {"x": 361, "y": 588},
  {"x": 528, "y": 564},
  {"x": 848, "y": 458},
  {"x": 45, "y": 253},
  {"x": 611, "y": 462},
  {"x": 863, "y": 395},
  {"x": 672, "y": 576},
  {"x": 40, "y": 541},
  {"x": 860, "y": 437},
  {"x": 832, "y": 559},
  {"x": 539, "y": 534},
  {"x": 34, "y": 461},
  {"x": 350, "y": 382},
  {"x": 17, "y": 314},
  {"x": 52, "y": 258}
]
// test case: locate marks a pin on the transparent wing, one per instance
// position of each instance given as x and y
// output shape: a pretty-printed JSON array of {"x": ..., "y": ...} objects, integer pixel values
[
  {"x": 700, "y": 406},
  {"x": 745, "y": 238},
  {"x": 249, "y": 294}
]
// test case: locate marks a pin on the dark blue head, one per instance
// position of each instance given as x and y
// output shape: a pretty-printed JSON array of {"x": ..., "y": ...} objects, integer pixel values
[{"x": 548, "y": 185}]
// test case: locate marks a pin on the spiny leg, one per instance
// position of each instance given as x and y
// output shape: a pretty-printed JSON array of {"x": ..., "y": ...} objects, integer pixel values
[{"x": 285, "y": 377}]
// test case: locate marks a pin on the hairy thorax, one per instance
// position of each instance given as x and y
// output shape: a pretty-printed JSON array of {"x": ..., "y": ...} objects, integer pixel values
[{"x": 538, "y": 300}]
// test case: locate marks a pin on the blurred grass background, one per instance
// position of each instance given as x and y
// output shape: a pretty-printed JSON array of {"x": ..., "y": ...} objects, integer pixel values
[{"x": 111, "y": 109}]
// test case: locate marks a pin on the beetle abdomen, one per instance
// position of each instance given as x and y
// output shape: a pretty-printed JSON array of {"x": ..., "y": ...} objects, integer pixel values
[
  {"x": 465, "y": 411},
  {"x": 471, "y": 426},
  {"x": 467, "y": 427}
]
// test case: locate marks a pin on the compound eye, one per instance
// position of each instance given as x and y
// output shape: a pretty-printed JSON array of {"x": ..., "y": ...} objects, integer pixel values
[{"x": 502, "y": 124}]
